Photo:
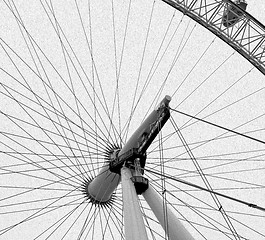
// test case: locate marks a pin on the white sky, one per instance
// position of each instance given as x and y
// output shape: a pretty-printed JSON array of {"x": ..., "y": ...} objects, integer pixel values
[{"x": 246, "y": 116}]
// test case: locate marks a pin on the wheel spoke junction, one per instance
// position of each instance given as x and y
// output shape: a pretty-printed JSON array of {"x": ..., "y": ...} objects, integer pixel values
[{"x": 86, "y": 134}]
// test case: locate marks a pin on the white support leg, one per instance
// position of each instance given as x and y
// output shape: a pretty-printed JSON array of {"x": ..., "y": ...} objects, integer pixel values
[
  {"x": 133, "y": 217},
  {"x": 173, "y": 227}
]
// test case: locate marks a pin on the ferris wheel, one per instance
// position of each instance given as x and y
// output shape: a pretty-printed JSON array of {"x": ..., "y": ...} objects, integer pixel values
[{"x": 131, "y": 120}]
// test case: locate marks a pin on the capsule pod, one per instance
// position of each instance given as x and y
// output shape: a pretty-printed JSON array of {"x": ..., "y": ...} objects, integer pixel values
[{"x": 233, "y": 13}]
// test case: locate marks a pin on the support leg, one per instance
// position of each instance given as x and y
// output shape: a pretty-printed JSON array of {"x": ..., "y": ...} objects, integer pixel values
[
  {"x": 133, "y": 217},
  {"x": 173, "y": 227}
]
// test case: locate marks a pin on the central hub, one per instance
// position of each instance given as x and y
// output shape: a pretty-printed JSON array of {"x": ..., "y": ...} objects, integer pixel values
[
  {"x": 142, "y": 138},
  {"x": 101, "y": 188}
]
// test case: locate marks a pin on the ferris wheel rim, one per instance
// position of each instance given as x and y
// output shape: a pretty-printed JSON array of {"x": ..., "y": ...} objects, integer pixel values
[
  {"x": 187, "y": 8},
  {"x": 88, "y": 180}
]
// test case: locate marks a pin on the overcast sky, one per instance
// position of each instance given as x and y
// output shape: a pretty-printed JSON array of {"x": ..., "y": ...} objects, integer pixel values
[{"x": 70, "y": 84}]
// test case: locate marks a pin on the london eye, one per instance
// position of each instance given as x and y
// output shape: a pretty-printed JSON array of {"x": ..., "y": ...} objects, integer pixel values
[{"x": 132, "y": 119}]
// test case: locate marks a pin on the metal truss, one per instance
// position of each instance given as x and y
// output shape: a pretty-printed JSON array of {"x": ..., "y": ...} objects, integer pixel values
[{"x": 246, "y": 35}]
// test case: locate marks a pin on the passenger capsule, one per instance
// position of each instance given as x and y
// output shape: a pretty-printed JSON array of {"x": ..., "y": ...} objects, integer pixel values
[{"x": 233, "y": 13}]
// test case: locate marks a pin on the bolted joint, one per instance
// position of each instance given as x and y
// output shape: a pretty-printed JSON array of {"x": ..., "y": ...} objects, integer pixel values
[
  {"x": 141, "y": 184},
  {"x": 128, "y": 159}
]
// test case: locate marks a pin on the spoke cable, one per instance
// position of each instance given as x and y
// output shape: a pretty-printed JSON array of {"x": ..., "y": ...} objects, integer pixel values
[
  {"x": 251, "y": 205},
  {"x": 218, "y": 126}
]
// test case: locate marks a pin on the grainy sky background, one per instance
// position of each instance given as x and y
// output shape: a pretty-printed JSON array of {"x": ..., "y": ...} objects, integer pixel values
[{"x": 43, "y": 150}]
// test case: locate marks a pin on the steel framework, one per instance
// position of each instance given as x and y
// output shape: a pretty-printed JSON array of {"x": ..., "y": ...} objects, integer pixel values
[{"x": 246, "y": 36}]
